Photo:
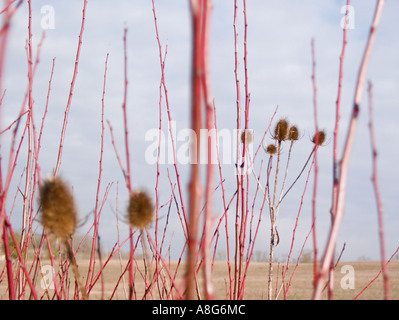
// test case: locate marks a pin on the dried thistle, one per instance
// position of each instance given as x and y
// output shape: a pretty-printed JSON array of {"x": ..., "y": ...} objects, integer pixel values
[
  {"x": 140, "y": 213},
  {"x": 281, "y": 130},
  {"x": 271, "y": 149},
  {"x": 59, "y": 216},
  {"x": 58, "y": 208},
  {"x": 293, "y": 133},
  {"x": 249, "y": 136},
  {"x": 140, "y": 210},
  {"x": 319, "y": 138}
]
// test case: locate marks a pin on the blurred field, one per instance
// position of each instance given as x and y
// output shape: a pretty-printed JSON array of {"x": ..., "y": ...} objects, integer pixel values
[
  {"x": 256, "y": 282},
  {"x": 302, "y": 287}
]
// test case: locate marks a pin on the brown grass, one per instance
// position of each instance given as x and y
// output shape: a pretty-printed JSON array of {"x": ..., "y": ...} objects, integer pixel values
[{"x": 256, "y": 282}]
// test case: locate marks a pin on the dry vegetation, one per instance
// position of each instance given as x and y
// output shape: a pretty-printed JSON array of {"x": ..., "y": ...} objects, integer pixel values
[
  {"x": 199, "y": 276},
  {"x": 256, "y": 282}
]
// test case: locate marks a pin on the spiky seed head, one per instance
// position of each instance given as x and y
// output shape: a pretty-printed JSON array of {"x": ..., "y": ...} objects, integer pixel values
[
  {"x": 59, "y": 214},
  {"x": 281, "y": 130},
  {"x": 140, "y": 210},
  {"x": 293, "y": 133},
  {"x": 249, "y": 136},
  {"x": 319, "y": 137},
  {"x": 271, "y": 149}
]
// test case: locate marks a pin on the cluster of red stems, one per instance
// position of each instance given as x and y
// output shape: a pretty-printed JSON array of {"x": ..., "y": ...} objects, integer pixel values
[{"x": 59, "y": 214}]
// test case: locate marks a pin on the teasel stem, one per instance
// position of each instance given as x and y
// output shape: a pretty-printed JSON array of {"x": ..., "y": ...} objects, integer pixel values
[
  {"x": 131, "y": 258},
  {"x": 72, "y": 260},
  {"x": 273, "y": 215},
  {"x": 286, "y": 173},
  {"x": 147, "y": 262},
  {"x": 300, "y": 173}
]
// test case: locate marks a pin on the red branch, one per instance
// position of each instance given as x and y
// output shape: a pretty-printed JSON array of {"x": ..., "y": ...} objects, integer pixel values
[
  {"x": 197, "y": 15},
  {"x": 339, "y": 205},
  {"x": 128, "y": 176},
  {"x": 97, "y": 211},
  {"x": 316, "y": 168},
  {"x": 75, "y": 73},
  {"x": 380, "y": 207},
  {"x": 238, "y": 177},
  {"x": 379, "y": 273}
]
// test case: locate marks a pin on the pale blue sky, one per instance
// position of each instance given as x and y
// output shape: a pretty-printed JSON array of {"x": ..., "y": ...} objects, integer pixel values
[{"x": 279, "y": 61}]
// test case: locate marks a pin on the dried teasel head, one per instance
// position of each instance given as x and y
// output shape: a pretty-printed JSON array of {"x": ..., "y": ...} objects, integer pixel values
[
  {"x": 281, "y": 130},
  {"x": 249, "y": 136},
  {"x": 271, "y": 149},
  {"x": 59, "y": 215},
  {"x": 319, "y": 137},
  {"x": 293, "y": 133},
  {"x": 140, "y": 210}
]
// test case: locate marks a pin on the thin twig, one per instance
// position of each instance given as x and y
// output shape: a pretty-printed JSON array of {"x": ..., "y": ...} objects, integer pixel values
[
  {"x": 380, "y": 208},
  {"x": 316, "y": 167},
  {"x": 376, "y": 277},
  {"x": 75, "y": 73}
]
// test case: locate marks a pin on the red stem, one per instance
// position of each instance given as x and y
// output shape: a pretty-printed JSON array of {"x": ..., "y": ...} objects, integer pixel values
[
  {"x": 337, "y": 121},
  {"x": 344, "y": 163},
  {"x": 225, "y": 207},
  {"x": 339, "y": 94},
  {"x": 380, "y": 207},
  {"x": 194, "y": 185},
  {"x": 162, "y": 64},
  {"x": 128, "y": 177},
  {"x": 20, "y": 257},
  {"x": 379, "y": 273},
  {"x": 209, "y": 291},
  {"x": 97, "y": 212},
  {"x": 244, "y": 193},
  {"x": 316, "y": 167},
  {"x": 238, "y": 176},
  {"x": 294, "y": 233},
  {"x": 171, "y": 133},
  {"x": 75, "y": 73},
  {"x": 10, "y": 276}
]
